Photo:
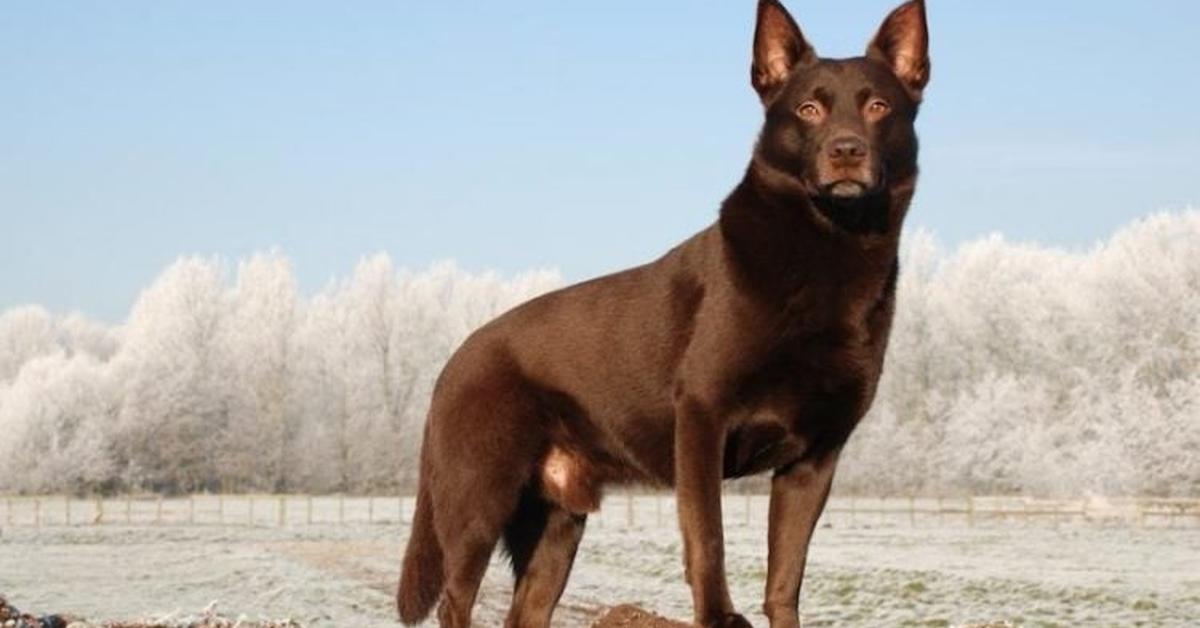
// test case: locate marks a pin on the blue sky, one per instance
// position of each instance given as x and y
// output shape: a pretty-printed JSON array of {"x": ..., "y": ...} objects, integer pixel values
[{"x": 509, "y": 135}]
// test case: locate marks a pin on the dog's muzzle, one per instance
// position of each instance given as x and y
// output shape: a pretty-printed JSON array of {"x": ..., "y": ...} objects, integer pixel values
[{"x": 846, "y": 169}]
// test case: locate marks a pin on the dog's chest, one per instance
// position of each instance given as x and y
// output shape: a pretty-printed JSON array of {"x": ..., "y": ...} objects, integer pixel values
[{"x": 802, "y": 402}]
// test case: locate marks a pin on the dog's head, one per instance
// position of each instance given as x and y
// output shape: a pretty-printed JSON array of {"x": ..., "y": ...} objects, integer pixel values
[{"x": 839, "y": 131}]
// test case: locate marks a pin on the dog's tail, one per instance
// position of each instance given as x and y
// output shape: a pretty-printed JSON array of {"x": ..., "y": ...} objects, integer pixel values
[{"x": 421, "y": 577}]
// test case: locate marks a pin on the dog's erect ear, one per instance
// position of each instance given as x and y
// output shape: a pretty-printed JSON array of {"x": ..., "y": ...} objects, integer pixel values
[
  {"x": 903, "y": 44},
  {"x": 778, "y": 47}
]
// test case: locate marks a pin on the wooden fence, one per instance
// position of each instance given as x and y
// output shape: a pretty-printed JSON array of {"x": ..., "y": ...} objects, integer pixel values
[{"x": 621, "y": 509}]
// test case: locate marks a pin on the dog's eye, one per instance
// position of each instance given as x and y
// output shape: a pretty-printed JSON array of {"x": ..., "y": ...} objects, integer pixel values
[
  {"x": 809, "y": 110},
  {"x": 878, "y": 108}
]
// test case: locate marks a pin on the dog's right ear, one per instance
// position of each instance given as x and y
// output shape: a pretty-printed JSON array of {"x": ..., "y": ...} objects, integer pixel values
[{"x": 779, "y": 46}]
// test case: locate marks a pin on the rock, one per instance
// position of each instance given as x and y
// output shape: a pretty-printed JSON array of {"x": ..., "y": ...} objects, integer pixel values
[{"x": 7, "y": 612}]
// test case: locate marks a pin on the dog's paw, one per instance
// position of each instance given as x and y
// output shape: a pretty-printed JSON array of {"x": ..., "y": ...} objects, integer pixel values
[{"x": 732, "y": 620}]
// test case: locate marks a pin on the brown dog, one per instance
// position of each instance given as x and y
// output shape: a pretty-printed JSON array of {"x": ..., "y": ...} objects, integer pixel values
[{"x": 754, "y": 346}]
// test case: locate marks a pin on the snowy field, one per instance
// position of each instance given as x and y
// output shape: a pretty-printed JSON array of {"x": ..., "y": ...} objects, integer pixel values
[{"x": 869, "y": 571}]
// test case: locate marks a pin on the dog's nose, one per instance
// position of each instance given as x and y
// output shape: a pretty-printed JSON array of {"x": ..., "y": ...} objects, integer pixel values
[{"x": 847, "y": 148}]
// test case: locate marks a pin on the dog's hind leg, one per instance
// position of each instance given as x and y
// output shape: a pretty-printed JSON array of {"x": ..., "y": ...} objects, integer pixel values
[
  {"x": 542, "y": 539},
  {"x": 466, "y": 563},
  {"x": 468, "y": 529},
  {"x": 485, "y": 437}
]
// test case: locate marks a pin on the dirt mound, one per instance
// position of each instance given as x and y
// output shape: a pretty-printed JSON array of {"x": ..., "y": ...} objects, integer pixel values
[{"x": 627, "y": 616}]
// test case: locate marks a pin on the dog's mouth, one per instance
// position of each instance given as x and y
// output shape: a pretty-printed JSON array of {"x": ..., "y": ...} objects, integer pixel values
[
  {"x": 848, "y": 184},
  {"x": 845, "y": 189}
]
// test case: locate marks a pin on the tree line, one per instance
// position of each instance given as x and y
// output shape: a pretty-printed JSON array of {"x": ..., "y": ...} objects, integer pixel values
[{"x": 1013, "y": 368}]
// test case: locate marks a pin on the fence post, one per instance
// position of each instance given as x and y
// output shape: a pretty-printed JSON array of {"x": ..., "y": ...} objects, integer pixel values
[
  {"x": 191, "y": 508},
  {"x": 37, "y": 512},
  {"x": 67, "y": 509},
  {"x": 99, "y": 511}
]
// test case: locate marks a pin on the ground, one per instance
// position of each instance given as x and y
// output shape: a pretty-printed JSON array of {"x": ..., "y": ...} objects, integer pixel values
[{"x": 861, "y": 574}]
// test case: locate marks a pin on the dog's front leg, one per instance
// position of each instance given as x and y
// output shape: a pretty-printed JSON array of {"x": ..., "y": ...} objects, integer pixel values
[
  {"x": 798, "y": 495},
  {"x": 699, "y": 450}
]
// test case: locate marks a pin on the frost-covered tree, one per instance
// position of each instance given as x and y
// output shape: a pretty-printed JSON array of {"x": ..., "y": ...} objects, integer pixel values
[
  {"x": 55, "y": 427},
  {"x": 176, "y": 383},
  {"x": 1019, "y": 368},
  {"x": 26, "y": 332},
  {"x": 321, "y": 403},
  {"x": 379, "y": 381},
  {"x": 257, "y": 352},
  {"x": 80, "y": 335}
]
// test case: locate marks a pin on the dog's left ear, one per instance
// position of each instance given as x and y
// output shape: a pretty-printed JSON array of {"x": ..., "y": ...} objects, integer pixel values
[{"x": 903, "y": 44}]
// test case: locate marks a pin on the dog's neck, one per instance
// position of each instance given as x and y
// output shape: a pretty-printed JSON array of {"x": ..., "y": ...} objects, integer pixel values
[{"x": 783, "y": 240}]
